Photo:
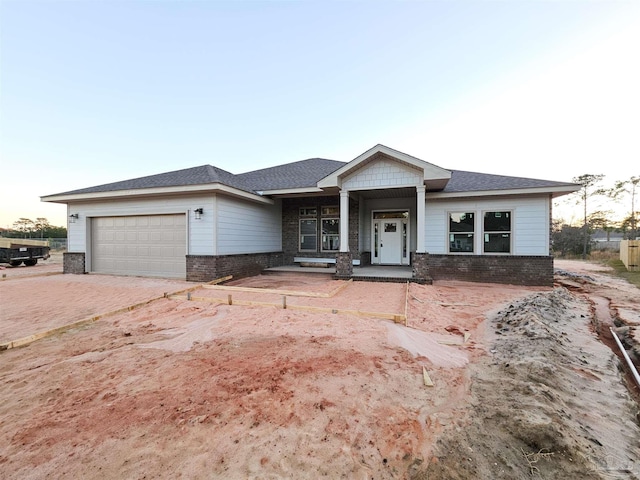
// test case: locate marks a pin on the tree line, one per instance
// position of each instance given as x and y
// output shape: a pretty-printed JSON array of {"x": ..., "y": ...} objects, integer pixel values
[
  {"x": 38, "y": 228},
  {"x": 568, "y": 239}
]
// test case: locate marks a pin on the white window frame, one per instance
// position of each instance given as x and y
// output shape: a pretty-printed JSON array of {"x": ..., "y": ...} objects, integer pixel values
[
  {"x": 473, "y": 233},
  {"x": 334, "y": 213},
  {"x": 329, "y": 212},
  {"x": 485, "y": 233},
  {"x": 300, "y": 234},
  {"x": 322, "y": 234}
]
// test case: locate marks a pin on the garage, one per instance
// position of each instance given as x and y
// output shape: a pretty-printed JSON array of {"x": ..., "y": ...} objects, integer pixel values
[{"x": 145, "y": 245}]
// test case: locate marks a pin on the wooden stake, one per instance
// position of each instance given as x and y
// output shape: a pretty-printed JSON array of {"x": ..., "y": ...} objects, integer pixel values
[
  {"x": 406, "y": 305},
  {"x": 229, "y": 299},
  {"x": 284, "y": 302}
]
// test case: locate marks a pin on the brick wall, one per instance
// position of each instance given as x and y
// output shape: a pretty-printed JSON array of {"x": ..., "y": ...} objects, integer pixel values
[
  {"x": 204, "y": 268},
  {"x": 344, "y": 265},
  {"x": 290, "y": 226},
  {"x": 420, "y": 267},
  {"x": 512, "y": 269}
]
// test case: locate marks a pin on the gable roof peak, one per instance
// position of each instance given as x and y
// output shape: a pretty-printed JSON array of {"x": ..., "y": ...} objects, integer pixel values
[{"x": 433, "y": 175}]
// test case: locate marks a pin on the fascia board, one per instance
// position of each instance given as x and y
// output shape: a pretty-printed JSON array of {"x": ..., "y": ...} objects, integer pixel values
[
  {"x": 554, "y": 191},
  {"x": 291, "y": 191},
  {"x": 158, "y": 191}
]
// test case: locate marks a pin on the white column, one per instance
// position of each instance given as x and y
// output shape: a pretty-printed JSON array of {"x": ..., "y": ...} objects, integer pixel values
[
  {"x": 344, "y": 221},
  {"x": 421, "y": 241}
]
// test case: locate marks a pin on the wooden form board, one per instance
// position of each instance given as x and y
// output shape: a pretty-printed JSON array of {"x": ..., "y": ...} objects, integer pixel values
[
  {"x": 289, "y": 293},
  {"x": 21, "y": 342},
  {"x": 396, "y": 317}
]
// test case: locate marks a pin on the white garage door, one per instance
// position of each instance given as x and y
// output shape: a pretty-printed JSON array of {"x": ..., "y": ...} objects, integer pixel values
[{"x": 147, "y": 246}]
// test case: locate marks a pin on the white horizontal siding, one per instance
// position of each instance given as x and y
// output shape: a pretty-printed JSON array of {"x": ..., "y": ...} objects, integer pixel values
[
  {"x": 200, "y": 232},
  {"x": 530, "y": 224},
  {"x": 76, "y": 231},
  {"x": 245, "y": 227}
]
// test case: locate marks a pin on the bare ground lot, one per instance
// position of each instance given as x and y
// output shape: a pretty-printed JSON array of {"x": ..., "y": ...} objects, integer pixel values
[{"x": 195, "y": 389}]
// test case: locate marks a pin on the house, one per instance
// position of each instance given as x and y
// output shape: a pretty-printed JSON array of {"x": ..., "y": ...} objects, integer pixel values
[{"x": 382, "y": 208}]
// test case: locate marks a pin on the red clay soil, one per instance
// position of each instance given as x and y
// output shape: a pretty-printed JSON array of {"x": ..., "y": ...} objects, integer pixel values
[{"x": 188, "y": 389}]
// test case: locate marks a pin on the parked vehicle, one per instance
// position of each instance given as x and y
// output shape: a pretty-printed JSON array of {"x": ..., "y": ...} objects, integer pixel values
[{"x": 15, "y": 251}]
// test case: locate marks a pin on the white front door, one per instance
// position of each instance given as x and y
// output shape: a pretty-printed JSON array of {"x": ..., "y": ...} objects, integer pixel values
[{"x": 391, "y": 242}]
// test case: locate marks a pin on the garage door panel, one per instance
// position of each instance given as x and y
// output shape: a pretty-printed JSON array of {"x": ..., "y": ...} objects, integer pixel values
[{"x": 153, "y": 245}]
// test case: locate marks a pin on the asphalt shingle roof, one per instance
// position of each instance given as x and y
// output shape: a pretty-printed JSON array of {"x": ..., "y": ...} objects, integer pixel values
[
  {"x": 301, "y": 174},
  {"x": 462, "y": 181},
  {"x": 305, "y": 173},
  {"x": 202, "y": 175}
]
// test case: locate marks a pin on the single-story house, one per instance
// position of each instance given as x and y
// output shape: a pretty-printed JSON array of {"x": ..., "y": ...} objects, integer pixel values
[{"x": 382, "y": 208}]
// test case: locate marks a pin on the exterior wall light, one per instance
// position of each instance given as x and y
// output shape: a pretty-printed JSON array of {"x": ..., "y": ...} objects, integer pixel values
[
  {"x": 73, "y": 217},
  {"x": 198, "y": 212}
]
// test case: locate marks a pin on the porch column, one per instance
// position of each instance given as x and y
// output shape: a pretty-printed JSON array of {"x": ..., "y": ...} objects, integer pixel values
[
  {"x": 344, "y": 259},
  {"x": 420, "y": 258},
  {"x": 420, "y": 211},
  {"x": 344, "y": 221}
]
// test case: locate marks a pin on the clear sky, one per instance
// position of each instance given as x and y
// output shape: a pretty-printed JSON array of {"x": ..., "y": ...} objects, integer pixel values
[{"x": 98, "y": 91}]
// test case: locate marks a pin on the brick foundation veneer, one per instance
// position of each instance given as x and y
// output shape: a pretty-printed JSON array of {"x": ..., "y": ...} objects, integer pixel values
[
  {"x": 73, "y": 262},
  {"x": 204, "y": 268},
  {"x": 420, "y": 267},
  {"x": 512, "y": 269},
  {"x": 344, "y": 265}
]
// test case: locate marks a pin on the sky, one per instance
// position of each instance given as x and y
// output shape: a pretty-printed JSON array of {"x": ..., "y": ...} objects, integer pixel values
[{"x": 96, "y": 91}]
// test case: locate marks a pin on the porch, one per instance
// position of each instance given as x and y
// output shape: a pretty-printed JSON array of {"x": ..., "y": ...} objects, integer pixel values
[{"x": 366, "y": 273}]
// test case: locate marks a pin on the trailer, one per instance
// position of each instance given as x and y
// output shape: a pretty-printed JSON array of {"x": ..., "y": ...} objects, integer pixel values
[{"x": 15, "y": 251}]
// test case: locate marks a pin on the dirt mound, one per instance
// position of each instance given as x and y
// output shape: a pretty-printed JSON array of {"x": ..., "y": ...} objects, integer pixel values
[{"x": 549, "y": 402}]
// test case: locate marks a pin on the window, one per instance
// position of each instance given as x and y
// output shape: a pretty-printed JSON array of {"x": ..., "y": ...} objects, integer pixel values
[
  {"x": 375, "y": 241},
  {"x": 308, "y": 212},
  {"x": 330, "y": 228},
  {"x": 330, "y": 211},
  {"x": 497, "y": 232},
  {"x": 390, "y": 227},
  {"x": 308, "y": 235},
  {"x": 402, "y": 214},
  {"x": 461, "y": 232},
  {"x": 330, "y": 234}
]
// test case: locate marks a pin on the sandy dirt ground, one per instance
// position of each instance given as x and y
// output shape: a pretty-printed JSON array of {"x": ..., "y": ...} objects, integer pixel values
[
  {"x": 50, "y": 266},
  {"x": 198, "y": 389}
]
